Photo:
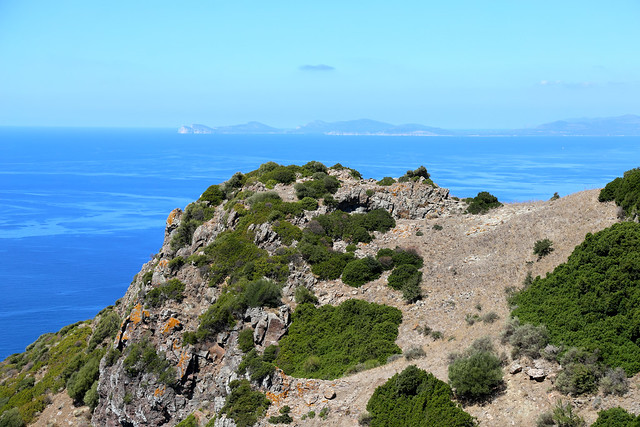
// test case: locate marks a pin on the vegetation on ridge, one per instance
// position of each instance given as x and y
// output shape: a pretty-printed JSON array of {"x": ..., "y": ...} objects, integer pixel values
[
  {"x": 592, "y": 301},
  {"x": 625, "y": 192}
]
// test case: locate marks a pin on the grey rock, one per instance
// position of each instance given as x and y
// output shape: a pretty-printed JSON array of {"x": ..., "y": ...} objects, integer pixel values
[{"x": 536, "y": 374}]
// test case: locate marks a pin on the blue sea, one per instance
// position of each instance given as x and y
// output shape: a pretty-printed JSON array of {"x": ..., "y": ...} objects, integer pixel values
[{"x": 83, "y": 209}]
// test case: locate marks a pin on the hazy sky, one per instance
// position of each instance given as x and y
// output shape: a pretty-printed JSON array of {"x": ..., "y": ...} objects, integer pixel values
[{"x": 455, "y": 64}]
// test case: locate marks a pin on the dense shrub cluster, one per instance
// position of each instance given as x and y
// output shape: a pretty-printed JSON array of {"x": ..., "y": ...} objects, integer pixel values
[
  {"x": 405, "y": 276},
  {"x": 258, "y": 366},
  {"x": 325, "y": 342},
  {"x": 482, "y": 203},
  {"x": 243, "y": 405},
  {"x": 591, "y": 300},
  {"x": 580, "y": 373},
  {"x": 194, "y": 215},
  {"x": 354, "y": 173},
  {"x": 304, "y": 296},
  {"x": 415, "y": 398},
  {"x": 477, "y": 372},
  {"x": 386, "y": 181},
  {"x": 85, "y": 377},
  {"x": 616, "y": 417},
  {"x": 624, "y": 191},
  {"x": 561, "y": 415},
  {"x": 415, "y": 175},
  {"x": 171, "y": 290},
  {"x": 360, "y": 271},
  {"x": 283, "y": 418},
  {"x": 107, "y": 327},
  {"x": 527, "y": 339},
  {"x": 319, "y": 186}
]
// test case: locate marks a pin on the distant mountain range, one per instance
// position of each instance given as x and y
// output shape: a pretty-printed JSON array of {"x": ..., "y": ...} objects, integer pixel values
[{"x": 628, "y": 125}]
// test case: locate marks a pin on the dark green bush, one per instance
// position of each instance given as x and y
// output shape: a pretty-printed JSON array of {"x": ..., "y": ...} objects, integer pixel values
[
  {"x": 581, "y": 371},
  {"x": 316, "y": 188},
  {"x": 616, "y": 417},
  {"x": 190, "y": 421},
  {"x": 562, "y": 415},
  {"x": 625, "y": 191},
  {"x": 194, "y": 215},
  {"x": 91, "y": 397},
  {"x": 213, "y": 195},
  {"x": 333, "y": 266},
  {"x": 309, "y": 203},
  {"x": 482, "y": 203},
  {"x": 339, "y": 337},
  {"x": 12, "y": 418},
  {"x": 527, "y": 339},
  {"x": 360, "y": 271},
  {"x": 243, "y": 405},
  {"x": 265, "y": 196},
  {"x": 406, "y": 278},
  {"x": 81, "y": 381},
  {"x": 287, "y": 232},
  {"x": 256, "y": 365},
  {"x": 283, "y": 418},
  {"x": 415, "y": 398},
  {"x": 245, "y": 340},
  {"x": 262, "y": 293},
  {"x": 304, "y": 296},
  {"x": 176, "y": 264},
  {"x": 386, "y": 181},
  {"x": 542, "y": 248},
  {"x": 406, "y": 256},
  {"x": 615, "y": 382},
  {"x": 171, "y": 290},
  {"x": 591, "y": 300},
  {"x": 476, "y": 373}
]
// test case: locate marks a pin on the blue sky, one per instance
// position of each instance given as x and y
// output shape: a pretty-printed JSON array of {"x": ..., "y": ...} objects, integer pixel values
[{"x": 455, "y": 64}]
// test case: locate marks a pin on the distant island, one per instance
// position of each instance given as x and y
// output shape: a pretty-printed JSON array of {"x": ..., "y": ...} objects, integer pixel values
[{"x": 627, "y": 125}]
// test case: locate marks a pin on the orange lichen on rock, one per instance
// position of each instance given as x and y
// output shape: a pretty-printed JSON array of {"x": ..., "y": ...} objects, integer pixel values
[
  {"x": 163, "y": 263},
  {"x": 159, "y": 392},
  {"x": 138, "y": 314},
  {"x": 183, "y": 363},
  {"x": 171, "y": 323},
  {"x": 172, "y": 217}
]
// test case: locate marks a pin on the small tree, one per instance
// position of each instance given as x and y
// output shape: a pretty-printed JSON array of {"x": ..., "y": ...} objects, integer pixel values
[
  {"x": 543, "y": 248},
  {"x": 477, "y": 372}
]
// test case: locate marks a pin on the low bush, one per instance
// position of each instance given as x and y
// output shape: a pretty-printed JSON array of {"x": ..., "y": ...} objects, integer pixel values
[
  {"x": 542, "y": 248},
  {"x": 176, "y": 264},
  {"x": 482, "y": 203},
  {"x": 360, "y": 271},
  {"x": 171, "y": 290},
  {"x": 476, "y": 373},
  {"x": 339, "y": 337},
  {"x": 107, "y": 327},
  {"x": 562, "y": 415},
  {"x": 386, "y": 181},
  {"x": 256, "y": 366},
  {"x": 283, "y": 418},
  {"x": 333, "y": 266},
  {"x": 615, "y": 382},
  {"x": 287, "y": 232},
  {"x": 305, "y": 296},
  {"x": 527, "y": 339},
  {"x": 415, "y": 398},
  {"x": 243, "y": 405},
  {"x": 415, "y": 175},
  {"x": 406, "y": 278},
  {"x": 616, "y": 417},
  {"x": 245, "y": 340},
  {"x": 414, "y": 353},
  {"x": 213, "y": 195},
  {"x": 190, "y": 421},
  {"x": 80, "y": 381},
  {"x": 316, "y": 188},
  {"x": 581, "y": 371}
]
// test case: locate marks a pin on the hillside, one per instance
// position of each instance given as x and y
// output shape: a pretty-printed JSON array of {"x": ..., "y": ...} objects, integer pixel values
[{"x": 237, "y": 260}]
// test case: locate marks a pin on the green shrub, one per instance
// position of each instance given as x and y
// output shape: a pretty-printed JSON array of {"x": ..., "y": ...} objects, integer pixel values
[
  {"x": 243, "y": 405},
  {"x": 616, "y": 417},
  {"x": 482, "y": 203},
  {"x": 309, "y": 203},
  {"x": 360, "y": 271},
  {"x": 213, "y": 195},
  {"x": 406, "y": 278},
  {"x": 176, "y": 264},
  {"x": 542, "y": 248},
  {"x": 320, "y": 185},
  {"x": 108, "y": 326},
  {"x": 406, "y": 256},
  {"x": 245, "y": 340},
  {"x": 12, "y": 418},
  {"x": 590, "y": 301},
  {"x": 527, "y": 339},
  {"x": 304, "y": 296},
  {"x": 194, "y": 215},
  {"x": 477, "y": 372},
  {"x": 262, "y": 293},
  {"x": 414, "y": 175},
  {"x": 386, "y": 181},
  {"x": 256, "y": 365},
  {"x": 287, "y": 232},
  {"x": 229, "y": 251},
  {"x": 142, "y": 358},
  {"x": 625, "y": 191},
  {"x": 81, "y": 381},
  {"x": 614, "y": 382},
  {"x": 265, "y": 196},
  {"x": 580, "y": 373},
  {"x": 91, "y": 397},
  {"x": 171, "y": 290},
  {"x": 340, "y": 337},
  {"x": 437, "y": 227},
  {"x": 415, "y": 398},
  {"x": 283, "y": 418},
  {"x": 414, "y": 353},
  {"x": 562, "y": 415},
  {"x": 333, "y": 267}
]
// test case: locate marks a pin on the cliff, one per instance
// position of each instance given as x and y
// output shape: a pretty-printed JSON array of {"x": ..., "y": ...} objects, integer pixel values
[{"x": 180, "y": 340}]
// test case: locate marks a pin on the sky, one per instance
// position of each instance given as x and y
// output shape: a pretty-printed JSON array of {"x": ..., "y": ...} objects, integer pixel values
[{"x": 459, "y": 64}]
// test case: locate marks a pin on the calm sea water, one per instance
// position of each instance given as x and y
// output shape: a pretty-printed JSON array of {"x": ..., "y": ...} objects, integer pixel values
[{"x": 83, "y": 209}]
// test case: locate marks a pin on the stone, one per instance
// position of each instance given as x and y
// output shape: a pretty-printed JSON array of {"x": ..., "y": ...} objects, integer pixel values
[
  {"x": 329, "y": 393},
  {"x": 536, "y": 374},
  {"x": 515, "y": 368}
]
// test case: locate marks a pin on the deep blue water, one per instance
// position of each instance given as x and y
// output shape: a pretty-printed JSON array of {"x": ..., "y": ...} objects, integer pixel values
[{"x": 83, "y": 209}]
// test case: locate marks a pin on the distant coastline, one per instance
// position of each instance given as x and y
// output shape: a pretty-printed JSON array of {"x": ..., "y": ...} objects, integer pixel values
[{"x": 627, "y": 125}]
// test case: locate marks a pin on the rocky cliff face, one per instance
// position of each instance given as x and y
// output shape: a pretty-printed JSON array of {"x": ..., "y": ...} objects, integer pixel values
[{"x": 203, "y": 371}]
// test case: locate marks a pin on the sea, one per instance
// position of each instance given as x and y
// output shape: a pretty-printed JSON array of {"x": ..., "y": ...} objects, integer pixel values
[{"x": 81, "y": 209}]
